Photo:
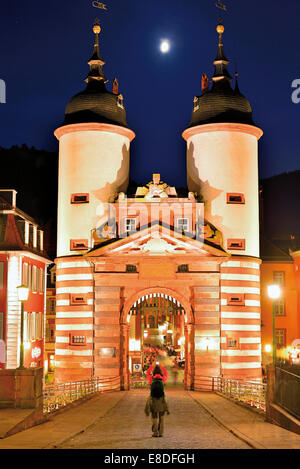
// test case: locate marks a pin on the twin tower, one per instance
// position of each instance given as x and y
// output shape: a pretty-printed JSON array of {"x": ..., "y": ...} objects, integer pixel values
[{"x": 222, "y": 158}]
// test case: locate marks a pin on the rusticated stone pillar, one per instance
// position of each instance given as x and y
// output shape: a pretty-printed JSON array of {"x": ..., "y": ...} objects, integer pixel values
[
  {"x": 189, "y": 356},
  {"x": 124, "y": 357}
]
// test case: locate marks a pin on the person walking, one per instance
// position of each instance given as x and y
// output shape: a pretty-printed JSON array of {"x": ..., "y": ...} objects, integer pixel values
[{"x": 156, "y": 403}]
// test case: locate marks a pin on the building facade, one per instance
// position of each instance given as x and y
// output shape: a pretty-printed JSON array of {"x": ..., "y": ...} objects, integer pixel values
[
  {"x": 22, "y": 262},
  {"x": 190, "y": 261}
]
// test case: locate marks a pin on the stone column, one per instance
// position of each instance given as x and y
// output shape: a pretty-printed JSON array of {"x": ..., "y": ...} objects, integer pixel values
[
  {"x": 124, "y": 357},
  {"x": 189, "y": 356}
]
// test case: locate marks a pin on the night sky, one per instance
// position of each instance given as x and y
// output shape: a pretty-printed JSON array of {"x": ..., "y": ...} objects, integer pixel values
[{"x": 45, "y": 46}]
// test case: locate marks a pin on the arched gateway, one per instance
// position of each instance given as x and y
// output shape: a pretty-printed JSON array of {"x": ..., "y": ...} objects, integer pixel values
[{"x": 157, "y": 321}]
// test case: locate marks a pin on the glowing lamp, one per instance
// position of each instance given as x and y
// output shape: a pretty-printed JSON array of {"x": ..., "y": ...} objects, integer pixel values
[
  {"x": 23, "y": 293},
  {"x": 274, "y": 292},
  {"x": 268, "y": 348}
]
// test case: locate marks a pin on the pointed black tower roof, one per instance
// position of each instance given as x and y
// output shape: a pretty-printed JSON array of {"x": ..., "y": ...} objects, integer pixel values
[
  {"x": 96, "y": 103},
  {"x": 221, "y": 103}
]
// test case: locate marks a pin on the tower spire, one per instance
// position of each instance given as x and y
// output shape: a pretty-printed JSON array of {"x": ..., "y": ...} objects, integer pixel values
[
  {"x": 221, "y": 61},
  {"x": 96, "y": 62}
]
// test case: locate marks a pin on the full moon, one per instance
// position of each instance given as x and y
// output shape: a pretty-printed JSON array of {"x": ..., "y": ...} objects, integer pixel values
[{"x": 165, "y": 46}]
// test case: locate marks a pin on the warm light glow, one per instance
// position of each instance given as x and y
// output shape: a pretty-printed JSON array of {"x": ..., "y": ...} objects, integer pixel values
[
  {"x": 268, "y": 348},
  {"x": 274, "y": 292},
  {"x": 181, "y": 341},
  {"x": 165, "y": 46},
  {"x": 134, "y": 345},
  {"x": 207, "y": 343},
  {"x": 23, "y": 292}
]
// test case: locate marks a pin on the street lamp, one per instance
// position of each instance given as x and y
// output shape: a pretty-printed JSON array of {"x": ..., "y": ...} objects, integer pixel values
[
  {"x": 23, "y": 293},
  {"x": 274, "y": 292}
]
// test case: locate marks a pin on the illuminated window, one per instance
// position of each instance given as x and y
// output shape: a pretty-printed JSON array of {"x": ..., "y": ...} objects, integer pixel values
[
  {"x": 130, "y": 225},
  {"x": 34, "y": 237},
  {"x": 32, "y": 326},
  {"x": 25, "y": 274},
  {"x": 29, "y": 285},
  {"x": 183, "y": 224},
  {"x": 236, "y": 244},
  {"x": 38, "y": 280},
  {"x": 37, "y": 325},
  {"x": 34, "y": 278},
  {"x": 80, "y": 199},
  {"x": 42, "y": 285},
  {"x": 41, "y": 240},
  {"x": 279, "y": 278},
  {"x": 77, "y": 339},
  {"x": 26, "y": 327},
  {"x": 279, "y": 307},
  {"x": 280, "y": 338},
  {"x": 131, "y": 268},
  {"x": 233, "y": 198}
]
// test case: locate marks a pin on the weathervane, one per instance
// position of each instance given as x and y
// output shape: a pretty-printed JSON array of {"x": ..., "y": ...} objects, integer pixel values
[
  {"x": 221, "y": 6},
  {"x": 97, "y": 4}
]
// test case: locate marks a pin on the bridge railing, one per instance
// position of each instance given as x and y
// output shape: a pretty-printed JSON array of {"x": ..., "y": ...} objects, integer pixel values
[
  {"x": 61, "y": 395},
  {"x": 287, "y": 391},
  {"x": 251, "y": 393}
]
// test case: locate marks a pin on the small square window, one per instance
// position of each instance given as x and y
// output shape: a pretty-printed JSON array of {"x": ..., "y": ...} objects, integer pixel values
[
  {"x": 234, "y": 198},
  {"x": 78, "y": 299},
  {"x": 131, "y": 268},
  {"x": 236, "y": 299},
  {"x": 236, "y": 244},
  {"x": 232, "y": 343},
  {"x": 77, "y": 339},
  {"x": 183, "y": 268},
  {"x": 130, "y": 225},
  {"x": 183, "y": 224},
  {"x": 79, "y": 244},
  {"x": 80, "y": 199}
]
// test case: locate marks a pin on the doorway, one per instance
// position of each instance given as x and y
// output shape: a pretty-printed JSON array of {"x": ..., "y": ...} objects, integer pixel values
[{"x": 157, "y": 334}]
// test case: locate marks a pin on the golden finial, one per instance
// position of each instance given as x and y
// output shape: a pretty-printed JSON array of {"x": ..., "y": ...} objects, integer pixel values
[
  {"x": 220, "y": 29},
  {"x": 97, "y": 29}
]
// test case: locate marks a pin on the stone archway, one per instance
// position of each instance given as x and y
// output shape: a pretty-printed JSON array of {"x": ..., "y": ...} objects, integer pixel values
[{"x": 188, "y": 332}]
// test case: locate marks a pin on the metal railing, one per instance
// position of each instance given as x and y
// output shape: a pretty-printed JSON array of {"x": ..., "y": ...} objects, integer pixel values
[
  {"x": 251, "y": 393},
  {"x": 57, "y": 396},
  {"x": 139, "y": 382},
  {"x": 287, "y": 391}
]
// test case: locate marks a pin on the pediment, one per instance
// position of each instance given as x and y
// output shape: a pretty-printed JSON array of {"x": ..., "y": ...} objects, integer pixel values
[{"x": 157, "y": 241}]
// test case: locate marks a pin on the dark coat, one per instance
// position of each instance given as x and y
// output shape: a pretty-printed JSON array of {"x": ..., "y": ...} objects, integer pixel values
[{"x": 156, "y": 405}]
